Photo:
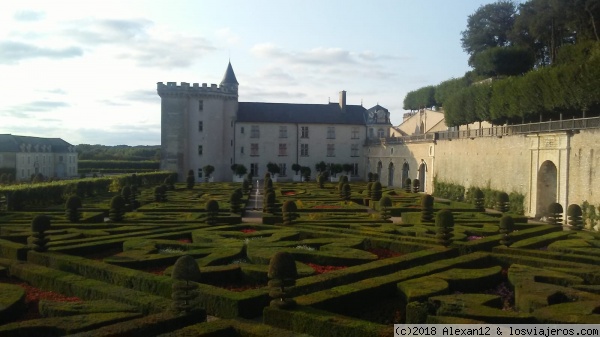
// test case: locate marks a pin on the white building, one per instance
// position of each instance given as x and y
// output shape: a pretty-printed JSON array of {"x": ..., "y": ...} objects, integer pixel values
[
  {"x": 24, "y": 156},
  {"x": 206, "y": 125}
]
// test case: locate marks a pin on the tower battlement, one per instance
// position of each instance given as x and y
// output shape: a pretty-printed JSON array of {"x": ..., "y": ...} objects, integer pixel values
[{"x": 194, "y": 89}]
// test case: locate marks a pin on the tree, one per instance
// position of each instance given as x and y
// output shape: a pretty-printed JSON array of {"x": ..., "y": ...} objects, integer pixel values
[
  {"x": 575, "y": 216},
  {"x": 117, "y": 208},
  {"x": 385, "y": 203},
  {"x": 282, "y": 273},
  {"x": 508, "y": 61},
  {"x": 506, "y": 225},
  {"x": 444, "y": 225},
  {"x": 490, "y": 26},
  {"x": 346, "y": 192},
  {"x": 289, "y": 210},
  {"x": 208, "y": 170},
  {"x": 376, "y": 191},
  {"x": 321, "y": 167},
  {"x": 347, "y": 168},
  {"x": 273, "y": 168},
  {"x": 39, "y": 225},
  {"x": 191, "y": 179},
  {"x": 426, "y": 208},
  {"x": 296, "y": 168},
  {"x": 72, "y": 207},
  {"x": 502, "y": 202},
  {"x": 239, "y": 169},
  {"x": 212, "y": 211},
  {"x": 479, "y": 199},
  {"x": 305, "y": 171},
  {"x": 235, "y": 200},
  {"x": 185, "y": 270},
  {"x": 555, "y": 211},
  {"x": 336, "y": 168}
]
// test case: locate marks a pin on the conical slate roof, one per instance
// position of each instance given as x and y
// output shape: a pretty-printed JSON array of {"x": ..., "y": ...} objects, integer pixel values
[{"x": 229, "y": 77}]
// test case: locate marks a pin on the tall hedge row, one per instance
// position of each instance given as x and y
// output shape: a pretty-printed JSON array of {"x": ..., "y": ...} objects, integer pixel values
[
  {"x": 43, "y": 194},
  {"x": 119, "y": 164},
  {"x": 546, "y": 92}
]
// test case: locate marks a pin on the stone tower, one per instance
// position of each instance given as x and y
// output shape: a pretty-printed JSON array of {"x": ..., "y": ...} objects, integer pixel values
[{"x": 197, "y": 126}]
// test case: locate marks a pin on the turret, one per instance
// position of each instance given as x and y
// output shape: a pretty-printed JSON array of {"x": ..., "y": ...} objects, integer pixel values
[{"x": 229, "y": 81}]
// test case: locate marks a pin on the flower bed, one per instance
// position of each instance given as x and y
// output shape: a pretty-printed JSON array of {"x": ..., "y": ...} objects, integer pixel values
[
  {"x": 383, "y": 253},
  {"x": 248, "y": 230},
  {"x": 327, "y": 207},
  {"x": 319, "y": 269}
]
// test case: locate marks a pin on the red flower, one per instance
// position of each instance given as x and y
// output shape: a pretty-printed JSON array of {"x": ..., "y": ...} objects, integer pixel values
[
  {"x": 185, "y": 240},
  {"x": 248, "y": 230},
  {"x": 383, "y": 253},
  {"x": 324, "y": 269}
]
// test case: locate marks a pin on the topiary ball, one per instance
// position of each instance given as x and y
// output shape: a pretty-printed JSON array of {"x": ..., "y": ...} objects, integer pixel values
[
  {"x": 40, "y": 223},
  {"x": 186, "y": 269}
]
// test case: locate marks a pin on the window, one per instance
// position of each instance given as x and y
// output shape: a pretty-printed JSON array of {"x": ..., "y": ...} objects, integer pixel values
[
  {"x": 200, "y": 150},
  {"x": 355, "y": 169},
  {"x": 282, "y": 170},
  {"x": 380, "y": 133},
  {"x": 331, "y": 132},
  {"x": 254, "y": 149},
  {"x": 200, "y": 126},
  {"x": 330, "y": 150},
  {"x": 355, "y": 132},
  {"x": 304, "y": 150},
  {"x": 200, "y": 105},
  {"x": 283, "y": 132},
  {"x": 199, "y": 173},
  {"x": 242, "y": 150},
  {"x": 282, "y": 149},
  {"x": 354, "y": 150},
  {"x": 242, "y": 130},
  {"x": 304, "y": 132},
  {"x": 254, "y": 169},
  {"x": 254, "y": 131}
]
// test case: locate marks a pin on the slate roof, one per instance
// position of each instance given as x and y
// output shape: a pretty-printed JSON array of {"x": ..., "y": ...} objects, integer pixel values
[
  {"x": 377, "y": 108},
  {"x": 229, "y": 77},
  {"x": 11, "y": 143},
  {"x": 252, "y": 112}
]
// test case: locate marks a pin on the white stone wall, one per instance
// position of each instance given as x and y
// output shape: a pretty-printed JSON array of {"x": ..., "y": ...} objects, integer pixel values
[
  {"x": 317, "y": 141},
  {"x": 49, "y": 164},
  {"x": 584, "y": 161}
]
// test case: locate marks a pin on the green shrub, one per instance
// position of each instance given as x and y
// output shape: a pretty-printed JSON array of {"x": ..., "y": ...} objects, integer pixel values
[
  {"x": 39, "y": 225},
  {"x": 408, "y": 185},
  {"x": 212, "y": 211},
  {"x": 346, "y": 192},
  {"x": 235, "y": 201},
  {"x": 506, "y": 227},
  {"x": 502, "y": 202},
  {"x": 376, "y": 191},
  {"x": 479, "y": 199},
  {"x": 72, "y": 207},
  {"x": 321, "y": 180},
  {"x": 416, "y": 184},
  {"x": 190, "y": 180},
  {"x": 385, "y": 203},
  {"x": 185, "y": 270},
  {"x": 282, "y": 273},
  {"x": 426, "y": 208},
  {"x": 555, "y": 211},
  {"x": 289, "y": 210},
  {"x": 117, "y": 208},
  {"x": 575, "y": 216},
  {"x": 444, "y": 224}
]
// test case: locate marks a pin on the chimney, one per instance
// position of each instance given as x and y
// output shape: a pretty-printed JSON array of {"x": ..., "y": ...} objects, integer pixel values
[{"x": 343, "y": 101}]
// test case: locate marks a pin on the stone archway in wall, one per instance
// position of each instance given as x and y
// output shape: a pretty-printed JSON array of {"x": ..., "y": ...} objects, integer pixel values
[
  {"x": 379, "y": 169},
  {"x": 391, "y": 174},
  {"x": 405, "y": 170},
  {"x": 547, "y": 187},
  {"x": 422, "y": 176}
]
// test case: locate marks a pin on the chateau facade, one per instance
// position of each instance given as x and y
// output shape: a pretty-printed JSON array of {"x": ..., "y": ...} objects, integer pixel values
[
  {"x": 24, "y": 156},
  {"x": 207, "y": 125}
]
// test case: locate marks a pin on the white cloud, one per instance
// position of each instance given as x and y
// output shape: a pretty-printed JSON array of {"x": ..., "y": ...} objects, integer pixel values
[
  {"x": 12, "y": 52},
  {"x": 29, "y": 15}
]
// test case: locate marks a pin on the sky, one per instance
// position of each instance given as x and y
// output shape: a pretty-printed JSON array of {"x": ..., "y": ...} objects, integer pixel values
[{"x": 86, "y": 71}]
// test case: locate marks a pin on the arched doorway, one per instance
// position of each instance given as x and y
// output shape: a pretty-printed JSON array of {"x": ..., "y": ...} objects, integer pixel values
[
  {"x": 422, "y": 176},
  {"x": 391, "y": 175},
  {"x": 547, "y": 183},
  {"x": 379, "y": 168},
  {"x": 405, "y": 169}
]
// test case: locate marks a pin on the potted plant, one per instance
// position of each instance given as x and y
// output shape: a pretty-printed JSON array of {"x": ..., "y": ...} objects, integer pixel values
[
  {"x": 208, "y": 170},
  {"x": 274, "y": 170},
  {"x": 239, "y": 171}
]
